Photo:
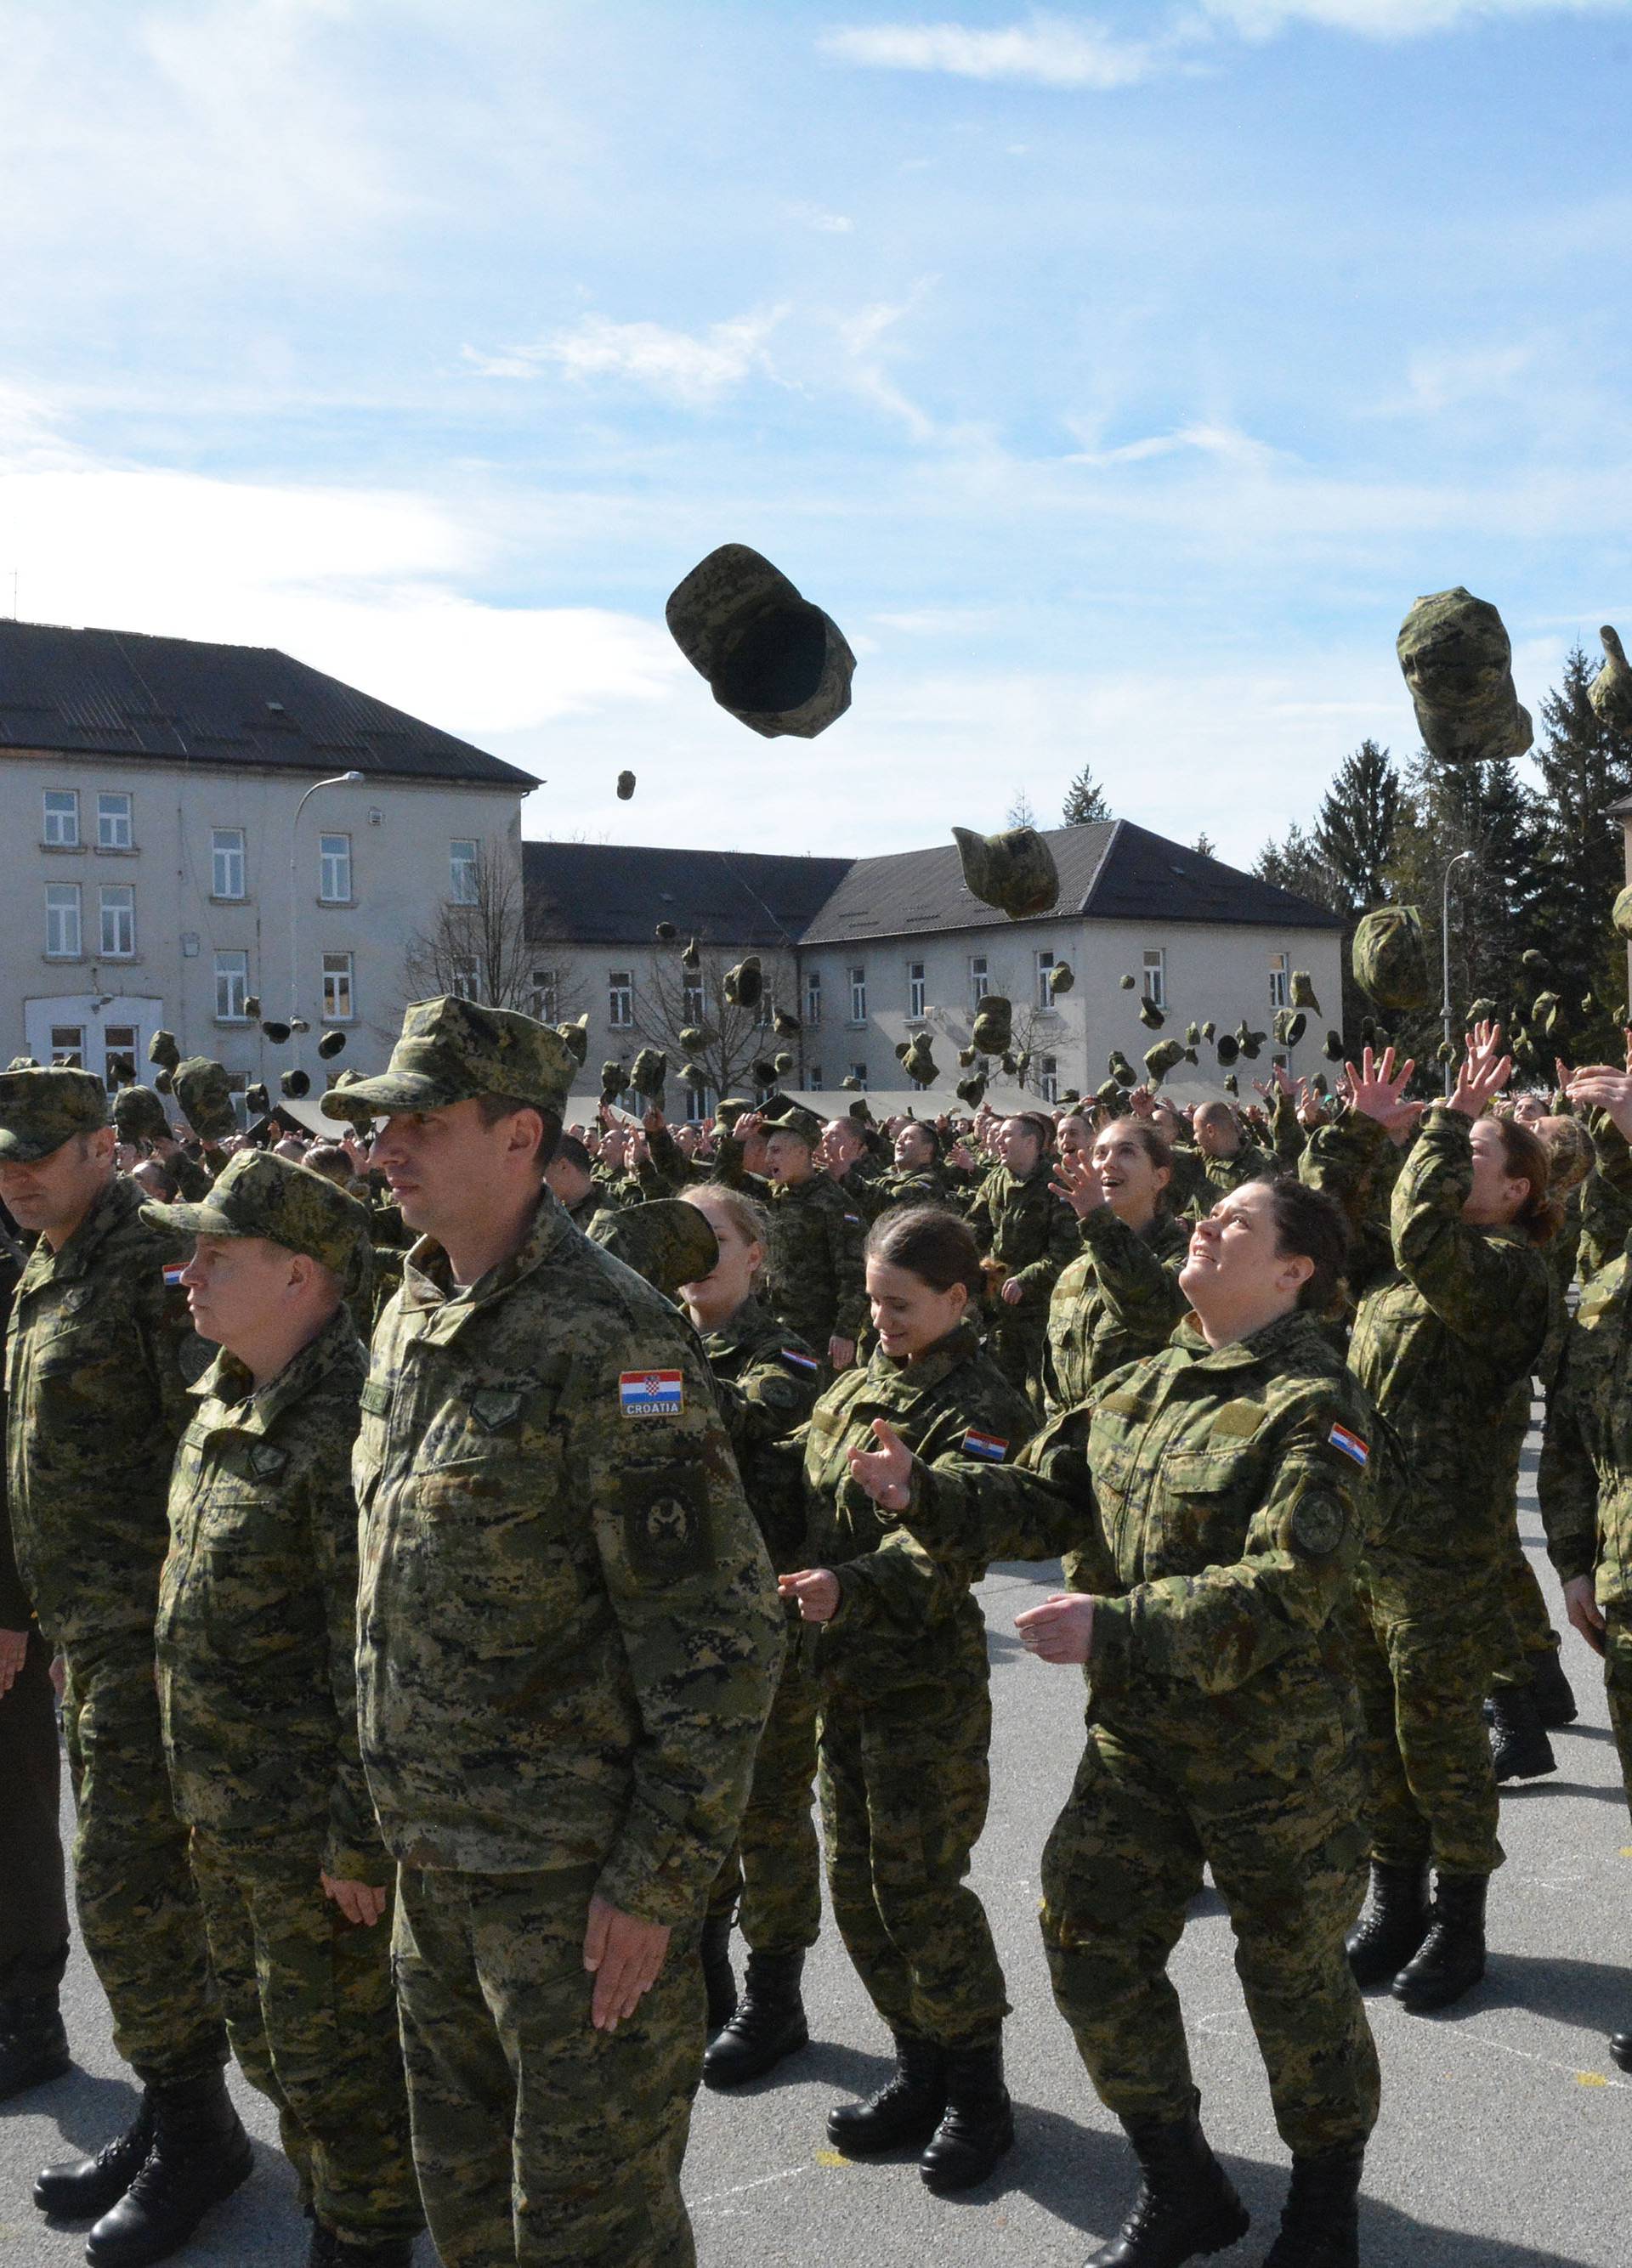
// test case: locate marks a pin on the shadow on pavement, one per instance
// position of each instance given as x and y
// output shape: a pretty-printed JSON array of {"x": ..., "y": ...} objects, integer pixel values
[
  {"x": 1590, "y": 1993},
  {"x": 87, "y": 2112}
]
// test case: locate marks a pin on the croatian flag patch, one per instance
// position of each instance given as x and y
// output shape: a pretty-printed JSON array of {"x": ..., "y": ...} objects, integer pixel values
[
  {"x": 1350, "y": 1444},
  {"x": 986, "y": 1446},
  {"x": 805, "y": 1363},
  {"x": 172, "y": 1274},
  {"x": 650, "y": 1393}
]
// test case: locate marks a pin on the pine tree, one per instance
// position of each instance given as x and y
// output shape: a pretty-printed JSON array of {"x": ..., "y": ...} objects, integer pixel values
[
  {"x": 1355, "y": 832},
  {"x": 1296, "y": 864},
  {"x": 1586, "y": 765},
  {"x": 1020, "y": 811},
  {"x": 1085, "y": 801},
  {"x": 1206, "y": 845}
]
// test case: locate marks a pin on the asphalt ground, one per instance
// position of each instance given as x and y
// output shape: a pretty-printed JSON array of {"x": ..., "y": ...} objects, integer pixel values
[{"x": 1506, "y": 2133}]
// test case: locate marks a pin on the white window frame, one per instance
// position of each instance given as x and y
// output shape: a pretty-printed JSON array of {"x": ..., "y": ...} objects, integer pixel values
[
  {"x": 1155, "y": 975},
  {"x": 119, "y": 1040},
  {"x": 620, "y": 1000},
  {"x": 64, "y": 921},
  {"x": 229, "y": 858},
  {"x": 858, "y": 992},
  {"x": 916, "y": 989},
  {"x": 69, "y": 1040},
  {"x": 465, "y": 977},
  {"x": 464, "y": 854},
  {"x": 693, "y": 997},
  {"x": 339, "y": 988},
  {"x": 334, "y": 865},
  {"x": 813, "y": 999},
  {"x": 813, "y": 1079},
  {"x": 1280, "y": 982},
  {"x": 1048, "y": 1078},
  {"x": 546, "y": 990},
  {"x": 858, "y": 1071},
  {"x": 979, "y": 978},
  {"x": 1046, "y": 960},
  {"x": 116, "y": 922},
  {"x": 700, "y": 1105},
  {"x": 115, "y": 825},
  {"x": 59, "y": 828},
  {"x": 232, "y": 985}
]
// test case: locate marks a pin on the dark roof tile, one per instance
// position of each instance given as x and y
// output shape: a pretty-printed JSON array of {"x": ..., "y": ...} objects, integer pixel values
[{"x": 615, "y": 894}]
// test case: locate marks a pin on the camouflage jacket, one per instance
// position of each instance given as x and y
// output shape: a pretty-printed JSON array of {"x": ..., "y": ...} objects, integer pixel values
[
  {"x": 1605, "y": 1198},
  {"x": 568, "y": 1627},
  {"x": 257, "y": 1610},
  {"x": 903, "y": 1621},
  {"x": 1218, "y": 1497},
  {"x": 923, "y": 1185},
  {"x": 98, "y": 1356},
  {"x": 1585, "y": 1479},
  {"x": 1218, "y": 1176},
  {"x": 193, "y": 1180},
  {"x": 1018, "y": 1220},
  {"x": 1118, "y": 1299},
  {"x": 766, "y": 1379},
  {"x": 817, "y": 1279}
]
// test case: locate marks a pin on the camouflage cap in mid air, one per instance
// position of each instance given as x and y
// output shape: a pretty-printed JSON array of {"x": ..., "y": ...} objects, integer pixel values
[
  {"x": 39, "y": 1110},
  {"x": 256, "y": 1194},
  {"x": 668, "y": 1241},
  {"x": 1389, "y": 958},
  {"x": 1457, "y": 658},
  {"x": 451, "y": 1050},
  {"x": 778, "y": 664},
  {"x": 1013, "y": 872},
  {"x": 206, "y": 1099},
  {"x": 140, "y": 1115},
  {"x": 1611, "y": 690}
]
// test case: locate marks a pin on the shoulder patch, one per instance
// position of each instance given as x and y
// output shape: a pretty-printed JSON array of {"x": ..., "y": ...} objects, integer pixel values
[
  {"x": 985, "y": 1444},
  {"x": 650, "y": 1393},
  {"x": 1350, "y": 1444},
  {"x": 806, "y": 1365},
  {"x": 1240, "y": 1419},
  {"x": 1316, "y": 1527}
]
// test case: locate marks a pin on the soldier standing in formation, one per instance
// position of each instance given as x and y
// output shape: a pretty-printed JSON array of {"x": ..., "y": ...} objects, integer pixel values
[
  {"x": 816, "y": 1281},
  {"x": 1028, "y": 1237}
]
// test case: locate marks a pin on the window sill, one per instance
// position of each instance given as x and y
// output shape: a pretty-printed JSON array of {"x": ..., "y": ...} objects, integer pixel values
[
  {"x": 336, "y": 905},
  {"x": 233, "y": 1023},
  {"x": 337, "y": 1023},
  {"x": 241, "y": 898},
  {"x": 65, "y": 850},
  {"x": 64, "y": 960},
  {"x": 118, "y": 850}
]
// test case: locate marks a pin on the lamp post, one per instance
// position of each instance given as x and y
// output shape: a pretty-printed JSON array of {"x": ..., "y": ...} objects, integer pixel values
[
  {"x": 1444, "y": 939},
  {"x": 341, "y": 779}
]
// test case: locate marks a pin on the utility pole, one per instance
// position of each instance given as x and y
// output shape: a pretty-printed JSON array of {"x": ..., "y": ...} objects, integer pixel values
[{"x": 1444, "y": 939}]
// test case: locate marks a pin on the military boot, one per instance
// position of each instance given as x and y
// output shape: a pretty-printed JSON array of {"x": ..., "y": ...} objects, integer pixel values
[
  {"x": 1555, "y": 1697},
  {"x": 905, "y": 2112},
  {"x": 200, "y": 2154},
  {"x": 718, "y": 1981},
  {"x": 1393, "y": 1925},
  {"x": 329, "y": 2249},
  {"x": 979, "y": 2121},
  {"x": 33, "y": 2046},
  {"x": 769, "y": 2023},
  {"x": 1186, "y": 2203},
  {"x": 84, "y": 2188},
  {"x": 1621, "y": 2049},
  {"x": 1452, "y": 1958},
  {"x": 1320, "y": 2220},
  {"x": 1519, "y": 1747}
]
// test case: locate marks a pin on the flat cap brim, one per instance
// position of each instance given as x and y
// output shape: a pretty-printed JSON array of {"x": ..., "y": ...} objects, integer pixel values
[
  {"x": 393, "y": 1091},
  {"x": 191, "y": 1220},
  {"x": 28, "y": 1149}
]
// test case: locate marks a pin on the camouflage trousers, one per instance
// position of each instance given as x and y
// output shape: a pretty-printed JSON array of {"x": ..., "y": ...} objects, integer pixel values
[
  {"x": 1421, "y": 1645},
  {"x": 138, "y": 1908},
  {"x": 1525, "y": 1628},
  {"x": 776, "y": 1869},
  {"x": 539, "y": 2140},
  {"x": 311, "y": 2018},
  {"x": 1618, "y": 1683},
  {"x": 1275, "y": 1821},
  {"x": 904, "y": 1783}
]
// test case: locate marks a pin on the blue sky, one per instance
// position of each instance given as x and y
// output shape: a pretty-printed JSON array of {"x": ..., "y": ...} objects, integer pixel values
[{"x": 1115, "y": 376}]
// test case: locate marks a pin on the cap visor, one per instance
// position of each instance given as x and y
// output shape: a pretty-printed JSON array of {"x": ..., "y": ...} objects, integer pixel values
[
  {"x": 191, "y": 1220},
  {"x": 27, "y": 1150},
  {"x": 382, "y": 1097}
]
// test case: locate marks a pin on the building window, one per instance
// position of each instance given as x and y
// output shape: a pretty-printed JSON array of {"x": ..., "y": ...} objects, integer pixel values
[
  {"x": 461, "y": 866},
  {"x": 858, "y": 1071},
  {"x": 1048, "y": 1078},
  {"x": 62, "y": 921},
  {"x": 979, "y": 978},
  {"x": 113, "y": 822},
  {"x": 226, "y": 863},
  {"x": 232, "y": 986},
  {"x": 700, "y": 1106},
  {"x": 858, "y": 996},
  {"x": 620, "y": 1000},
  {"x": 1278, "y": 998},
  {"x": 813, "y": 997},
  {"x": 119, "y": 1043},
  {"x": 61, "y": 817},
  {"x": 465, "y": 977},
  {"x": 334, "y": 869},
  {"x": 813, "y": 1079},
  {"x": 67, "y": 1046},
  {"x": 338, "y": 1002},
  {"x": 1155, "y": 976},
  {"x": 118, "y": 922},
  {"x": 1047, "y": 959},
  {"x": 546, "y": 985},
  {"x": 917, "y": 988}
]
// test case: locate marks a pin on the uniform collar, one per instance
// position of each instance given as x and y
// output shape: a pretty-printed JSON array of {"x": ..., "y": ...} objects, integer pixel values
[
  {"x": 247, "y": 1409},
  {"x": 117, "y": 1205},
  {"x": 750, "y": 1324},
  {"x": 427, "y": 1280},
  {"x": 918, "y": 1377},
  {"x": 1242, "y": 1354}
]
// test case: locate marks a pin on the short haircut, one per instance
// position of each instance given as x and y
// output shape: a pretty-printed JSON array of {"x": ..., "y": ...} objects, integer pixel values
[
  {"x": 569, "y": 1151},
  {"x": 495, "y": 1106}
]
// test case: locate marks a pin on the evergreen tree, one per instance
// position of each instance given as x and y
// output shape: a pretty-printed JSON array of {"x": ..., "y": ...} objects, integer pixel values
[
  {"x": 1296, "y": 864},
  {"x": 1085, "y": 801},
  {"x": 1020, "y": 811},
  {"x": 1586, "y": 766},
  {"x": 1355, "y": 832},
  {"x": 1206, "y": 845}
]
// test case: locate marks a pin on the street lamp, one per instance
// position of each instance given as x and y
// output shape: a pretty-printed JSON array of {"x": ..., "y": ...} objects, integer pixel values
[
  {"x": 1444, "y": 939},
  {"x": 341, "y": 779}
]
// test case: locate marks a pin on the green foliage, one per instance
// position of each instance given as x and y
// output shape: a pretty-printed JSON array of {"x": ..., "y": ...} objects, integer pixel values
[{"x": 1085, "y": 801}]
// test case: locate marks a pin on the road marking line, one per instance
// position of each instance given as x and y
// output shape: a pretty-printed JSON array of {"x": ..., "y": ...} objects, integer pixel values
[
  {"x": 788, "y": 2174},
  {"x": 1461, "y": 2036}
]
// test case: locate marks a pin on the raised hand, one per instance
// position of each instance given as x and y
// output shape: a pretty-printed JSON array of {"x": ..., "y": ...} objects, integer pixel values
[
  {"x": 1078, "y": 1182},
  {"x": 1599, "y": 1086},
  {"x": 1485, "y": 1072},
  {"x": 1377, "y": 1089}
]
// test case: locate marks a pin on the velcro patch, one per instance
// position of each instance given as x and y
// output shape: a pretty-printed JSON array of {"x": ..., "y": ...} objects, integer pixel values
[
  {"x": 666, "y": 1527},
  {"x": 266, "y": 1463},
  {"x": 650, "y": 1393},
  {"x": 1317, "y": 1526},
  {"x": 1239, "y": 1419}
]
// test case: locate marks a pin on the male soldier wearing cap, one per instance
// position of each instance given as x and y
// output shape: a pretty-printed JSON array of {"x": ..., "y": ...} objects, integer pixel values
[
  {"x": 256, "y": 1644},
  {"x": 568, "y": 1636},
  {"x": 817, "y": 1278},
  {"x": 96, "y": 1402}
]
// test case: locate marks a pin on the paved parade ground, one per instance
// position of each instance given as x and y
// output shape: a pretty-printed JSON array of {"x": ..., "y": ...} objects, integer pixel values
[{"x": 1506, "y": 2135}]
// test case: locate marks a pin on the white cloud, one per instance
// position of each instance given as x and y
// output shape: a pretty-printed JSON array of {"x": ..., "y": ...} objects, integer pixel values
[
  {"x": 1390, "y": 19},
  {"x": 691, "y": 368},
  {"x": 823, "y": 222},
  {"x": 1225, "y": 443},
  {"x": 1046, "y": 51}
]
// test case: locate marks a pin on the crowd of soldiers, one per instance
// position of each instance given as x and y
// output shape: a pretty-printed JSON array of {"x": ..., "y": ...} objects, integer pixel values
[{"x": 468, "y": 1546}]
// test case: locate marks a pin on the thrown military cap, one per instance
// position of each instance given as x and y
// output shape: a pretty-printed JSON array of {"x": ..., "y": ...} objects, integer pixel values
[
  {"x": 797, "y": 1121},
  {"x": 452, "y": 1051},
  {"x": 993, "y": 1029},
  {"x": 1303, "y": 991},
  {"x": 743, "y": 984},
  {"x": 139, "y": 1115},
  {"x": 692, "y": 1036},
  {"x": 785, "y": 1025},
  {"x": 1013, "y": 872},
  {"x": 1457, "y": 658},
  {"x": 39, "y": 1110},
  {"x": 257, "y": 1099},
  {"x": 625, "y": 786},
  {"x": 777, "y": 663},
  {"x": 648, "y": 1073},
  {"x": 259, "y": 1194},
  {"x": 574, "y": 1036},
  {"x": 331, "y": 1044},
  {"x": 163, "y": 1050},
  {"x": 668, "y": 1241},
  {"x": 1611, "y": 690},
  {"x": 294, "y": 1086},
  {"x": 1061, "y": 977},
  {"x": 919, "y": 1063},
  {"x": 1389, "y": 958},
  {"x": 666, "y": 932},
  {"x": 206, "y": 1100}
]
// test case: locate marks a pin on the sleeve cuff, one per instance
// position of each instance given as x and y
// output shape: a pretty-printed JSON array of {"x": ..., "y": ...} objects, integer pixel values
[{"x": 1110, "y": 1661}]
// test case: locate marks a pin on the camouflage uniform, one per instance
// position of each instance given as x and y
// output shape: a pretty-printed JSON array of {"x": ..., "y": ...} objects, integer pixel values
[
  {"x": 1219, "y": 1495},
  {"x": 1119, "y": 1299},
  {"x": 1442, "y": 1333},
  {"x": 257, "y": 1637},
  {"x": 97, "y": 1400},
  {"x": 767, "y": 1379},
  {"x": 568, "y": 1638},
  {"x": 1585, "y": 1479},
  {"x": 1218, "y": 1176},
  {"x": 816, "y": 1281},
  {"x": 906, "y": 1714},
  {"x": 1018, "y": 1222},
  {"x": 922, "y": 1185}
]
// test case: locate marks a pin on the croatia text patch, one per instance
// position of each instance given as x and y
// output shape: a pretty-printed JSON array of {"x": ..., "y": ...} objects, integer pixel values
[
  {"x": 985, "y": 1444},
  {"x": 1350, "y": 1444},
  {"x": 650, "y": 1393}
]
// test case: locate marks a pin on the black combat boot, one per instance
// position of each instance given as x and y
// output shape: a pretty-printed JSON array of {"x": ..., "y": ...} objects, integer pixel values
[
  {"x": 1393, "y": 1925},
  {"x": 1320, "y": 2220},
  {"x": 769, "y": 2023},
  {"x": 33, "y": 2046},
  {"x": 1621, "y": 2049},
  {"x": 1452, "y": 1958},
  {"x": 200, "y": 2154},
  {"x": 1519, "y": 1747},
  {"x": 84, "y": 2188},
  {"x": 331, "y": 2250},
  {"x": 718, "y": 1980},
  {"x": 905, "y": 2112},
  {"x": 1556, "y": 1697},
  {"x": 979, "y": 2121},
  {"x": 1186, "y": 2204}
]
